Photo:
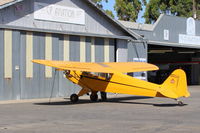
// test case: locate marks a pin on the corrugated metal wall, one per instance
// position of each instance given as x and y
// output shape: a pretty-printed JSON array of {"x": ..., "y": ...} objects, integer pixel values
[
  {"x": 128, "y": 51},
  {"x": 21, "y": 79},
  {"x": 137, "y": 52}
]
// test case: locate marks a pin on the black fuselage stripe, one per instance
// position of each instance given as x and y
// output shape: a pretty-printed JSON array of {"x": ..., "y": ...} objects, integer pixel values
[{"x": 115, "y": 82}]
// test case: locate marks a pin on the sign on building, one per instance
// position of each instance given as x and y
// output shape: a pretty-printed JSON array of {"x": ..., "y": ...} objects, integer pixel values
[
  {"x": 57, "y": 13},
  {"x": 190, "y": 36},
  {"x": 166, "y": 34},
  {"x": 140, "y": 75}
]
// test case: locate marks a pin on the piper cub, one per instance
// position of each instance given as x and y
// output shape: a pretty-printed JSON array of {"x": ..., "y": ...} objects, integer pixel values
[{"x": 117, "y": 81}]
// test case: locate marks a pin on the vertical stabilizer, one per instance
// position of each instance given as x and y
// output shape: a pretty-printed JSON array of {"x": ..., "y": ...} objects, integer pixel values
[{"x": 175, "y": 85}]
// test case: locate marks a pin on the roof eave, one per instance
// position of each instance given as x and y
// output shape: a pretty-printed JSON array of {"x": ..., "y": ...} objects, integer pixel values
[{"x": 9, "y": 4}]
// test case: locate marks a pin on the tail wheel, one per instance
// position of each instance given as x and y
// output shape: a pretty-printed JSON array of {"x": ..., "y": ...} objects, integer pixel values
[
  {"x": 74, "y": 98},
  {"x": 94, "y": 97},
  {"x": 103, "y": 96},
  {"x": 180, "y": 103}
]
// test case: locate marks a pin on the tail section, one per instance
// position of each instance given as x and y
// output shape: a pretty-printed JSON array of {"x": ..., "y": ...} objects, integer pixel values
[{"x": 175, "y": 85}]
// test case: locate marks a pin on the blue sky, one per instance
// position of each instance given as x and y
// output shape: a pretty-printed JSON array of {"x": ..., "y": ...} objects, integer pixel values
[{"x": 110, "y": 6}]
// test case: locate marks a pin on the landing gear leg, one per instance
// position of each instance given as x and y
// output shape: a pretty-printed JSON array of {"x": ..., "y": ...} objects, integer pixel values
[
  {"x": 74, "y": 98},
  {"x": 103, "y": 96},
  {"x": 94, "y": 97}
]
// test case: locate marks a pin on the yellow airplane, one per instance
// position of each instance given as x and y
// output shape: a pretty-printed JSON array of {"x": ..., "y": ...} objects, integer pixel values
[{"x": 115, "y": 81}]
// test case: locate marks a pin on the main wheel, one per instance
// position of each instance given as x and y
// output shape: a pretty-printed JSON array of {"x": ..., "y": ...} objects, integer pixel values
[
  {"x": 74, "y": 98},
  {"x": 94, "y": 97},
  {"x": 103, "y": 96}
]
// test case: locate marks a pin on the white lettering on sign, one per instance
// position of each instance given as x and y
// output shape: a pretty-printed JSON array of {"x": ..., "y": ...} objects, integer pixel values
[
  {"x": 58, "y": 13},
  {"x": 188, "y": 39}
]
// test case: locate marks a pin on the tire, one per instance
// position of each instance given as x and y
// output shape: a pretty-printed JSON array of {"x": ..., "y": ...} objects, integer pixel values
[
  {"x": 74, "y": 98},
  {"x": 93, "y": 97}
]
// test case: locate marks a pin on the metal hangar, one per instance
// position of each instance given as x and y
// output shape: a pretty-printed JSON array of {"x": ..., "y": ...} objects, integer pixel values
[
  {"x": 70, "y": 30},
  {"x": 173, "y": 42}
]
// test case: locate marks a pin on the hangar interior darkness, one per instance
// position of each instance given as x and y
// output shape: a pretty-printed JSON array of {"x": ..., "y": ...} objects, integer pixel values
[{"x": 171, "y": 58}]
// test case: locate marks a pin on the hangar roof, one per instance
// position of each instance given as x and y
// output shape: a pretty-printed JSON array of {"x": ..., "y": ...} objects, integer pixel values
[
  {"x": 169, "y": 31},
  {"x": 7, "y": 3},
  {"x": 139, "y": 26}
]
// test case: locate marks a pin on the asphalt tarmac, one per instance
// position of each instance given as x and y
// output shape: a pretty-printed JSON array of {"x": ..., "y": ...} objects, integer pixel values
[{"x": 120, "y": 114}]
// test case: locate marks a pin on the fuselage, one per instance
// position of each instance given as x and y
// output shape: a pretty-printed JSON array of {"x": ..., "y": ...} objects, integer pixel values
[{"x": 114, "y": 83}]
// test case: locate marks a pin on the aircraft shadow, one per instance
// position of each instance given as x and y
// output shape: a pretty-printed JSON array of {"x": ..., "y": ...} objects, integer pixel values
[
  {"x": 119, "y": 100},
  {"x": 169, "y": 105},
  {"x": 87, "y": 101},
  {"x": 122, "y": 100}
]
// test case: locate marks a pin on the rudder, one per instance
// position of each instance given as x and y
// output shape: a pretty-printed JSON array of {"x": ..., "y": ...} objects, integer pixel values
[{"x": 175, "y": 85}]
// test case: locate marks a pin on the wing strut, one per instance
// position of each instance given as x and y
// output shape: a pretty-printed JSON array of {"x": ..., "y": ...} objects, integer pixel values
[{"x": 53, "y": 84}]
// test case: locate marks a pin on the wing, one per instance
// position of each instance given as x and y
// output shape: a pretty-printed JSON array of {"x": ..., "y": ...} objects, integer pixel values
[{"x": 123, "y": 67}]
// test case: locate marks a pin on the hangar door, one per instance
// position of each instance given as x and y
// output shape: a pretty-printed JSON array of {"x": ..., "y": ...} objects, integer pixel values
[
  {"x": 10, "y": 64},
  {"x": 21, "y": 79},
  {"x": 170, "y": 58}
]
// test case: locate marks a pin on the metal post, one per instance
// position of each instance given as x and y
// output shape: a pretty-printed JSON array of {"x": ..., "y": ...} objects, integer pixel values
[{"x": 194, "y": 9}]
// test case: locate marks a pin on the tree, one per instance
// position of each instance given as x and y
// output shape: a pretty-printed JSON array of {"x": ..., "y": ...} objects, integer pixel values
[
  {"x": 98, "y": 2},
  {"x": 128, "y": 10},
  {"x": 183, "y": 8},
  {"x": 196, "y": 9},
  {"x": 110, "y": 13}
]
